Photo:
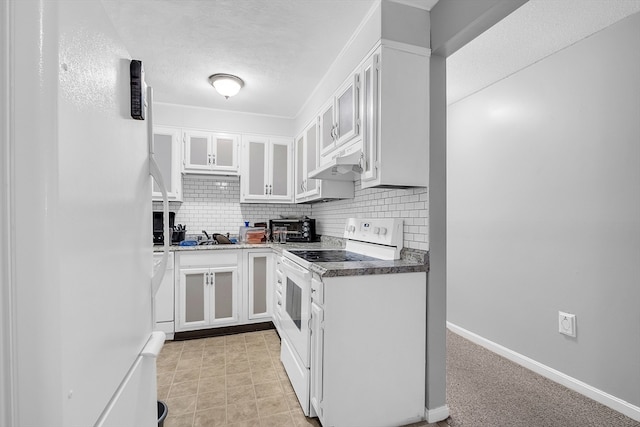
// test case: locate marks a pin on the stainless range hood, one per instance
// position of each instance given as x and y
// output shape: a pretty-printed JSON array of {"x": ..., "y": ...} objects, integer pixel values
[{"x": 342, "y": 168}]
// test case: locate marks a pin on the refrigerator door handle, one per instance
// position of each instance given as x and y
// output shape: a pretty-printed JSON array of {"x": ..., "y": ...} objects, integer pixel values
[
  {"x": 154, "y": 345},
  {"x": 154, "y": 171}
]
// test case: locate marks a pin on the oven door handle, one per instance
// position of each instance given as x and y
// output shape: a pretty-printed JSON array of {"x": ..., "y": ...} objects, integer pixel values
[{"x": 306, "y": 274}]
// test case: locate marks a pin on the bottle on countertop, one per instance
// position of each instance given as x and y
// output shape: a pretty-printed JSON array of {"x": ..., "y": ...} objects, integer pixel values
[{"x": 242, "y": 234}]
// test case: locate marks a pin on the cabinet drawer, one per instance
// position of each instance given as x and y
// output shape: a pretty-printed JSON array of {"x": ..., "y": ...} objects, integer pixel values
[{"x": 209, "y": 259}]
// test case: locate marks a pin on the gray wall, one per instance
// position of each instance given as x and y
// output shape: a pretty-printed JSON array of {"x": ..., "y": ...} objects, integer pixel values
[{"x": 544, "y": 210}]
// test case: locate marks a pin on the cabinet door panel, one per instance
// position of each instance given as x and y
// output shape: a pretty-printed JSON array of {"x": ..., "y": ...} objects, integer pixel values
[
  {"x": 326, "y": 129},
  {"x": 259, "y": 284},
  {"x": 167, "y": 153},
  {"x": 163, "y": 153},
  {"x": 300, "y": 167},
  {"x": 224, "y": 298},
  {"x": 257, "y": 162},
  {"x": 347, "y": 111},
  {"x": 369, "y": 118},
  {"x": 193, "y": 307},
  {"x": 280, "y": 171},
  {"x": 311, "y": 157},
  {"x": 345, "y": 116},
  {"x": 225, "y": 155},
  {"x": 197, "y": 151}
]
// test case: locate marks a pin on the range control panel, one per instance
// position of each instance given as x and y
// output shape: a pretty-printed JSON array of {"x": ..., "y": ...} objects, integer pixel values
[{"x": 384, "y": 231}]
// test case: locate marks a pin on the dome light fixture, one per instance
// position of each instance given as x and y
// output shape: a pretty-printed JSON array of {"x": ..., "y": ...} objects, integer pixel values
[{"x": 226, "y": 84}]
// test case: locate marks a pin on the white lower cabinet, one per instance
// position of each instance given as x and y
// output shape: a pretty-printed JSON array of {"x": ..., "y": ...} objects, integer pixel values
[
  {"x": 221, "y": 287},
  {"x": 207, "y": 290},
  {"x": 368, "y": 349},
  {"x": 164, "y": 301},
  {"x": 277, "y": 293},
  {"x": 259, "y": 279},
  {"x": 317, "y": 348}
]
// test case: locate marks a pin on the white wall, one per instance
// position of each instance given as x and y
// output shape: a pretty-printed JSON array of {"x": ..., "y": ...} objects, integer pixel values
[
  {"x": 544, "y": 210},
  {"x": 409, "y": 204},
  {"x": 220, "y": 120}
]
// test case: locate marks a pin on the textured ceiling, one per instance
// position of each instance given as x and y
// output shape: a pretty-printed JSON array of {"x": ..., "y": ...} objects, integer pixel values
[
  {"x": 280, "y": 48},
  {"x": 532, "y": 32}
]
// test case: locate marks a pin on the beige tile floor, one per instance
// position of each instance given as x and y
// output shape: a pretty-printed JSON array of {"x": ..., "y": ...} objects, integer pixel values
[{"x": 235, "y": 381}]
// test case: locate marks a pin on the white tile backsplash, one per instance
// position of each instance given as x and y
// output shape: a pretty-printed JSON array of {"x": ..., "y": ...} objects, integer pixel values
[
  {"x": 410, "y": 204},
  {"x": 212, "y": 203}
]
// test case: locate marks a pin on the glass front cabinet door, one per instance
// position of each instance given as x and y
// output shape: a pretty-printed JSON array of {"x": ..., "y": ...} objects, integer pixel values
[
  {"x": 306, "y": 161},
  {"x": 267, "y": 174},
  {"x": 166, "y": 152},
  {"x": 208, "y": 297},
  {"x": 211, "y": 152},
  {"x": 339, "y": 117},
  {"x": 260, "y": 275}
]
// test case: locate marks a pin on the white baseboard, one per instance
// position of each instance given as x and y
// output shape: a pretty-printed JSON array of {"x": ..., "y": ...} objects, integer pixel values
[
  {"x": 440, "y": 413},
  {"x": 599, "y": 396}
]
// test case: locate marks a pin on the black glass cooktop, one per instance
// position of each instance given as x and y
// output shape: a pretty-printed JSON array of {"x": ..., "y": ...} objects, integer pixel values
[{"x": 331, "y": 256}]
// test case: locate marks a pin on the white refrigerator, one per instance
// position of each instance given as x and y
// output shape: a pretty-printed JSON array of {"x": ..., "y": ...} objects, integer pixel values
[{"x": 77, "y": 237}]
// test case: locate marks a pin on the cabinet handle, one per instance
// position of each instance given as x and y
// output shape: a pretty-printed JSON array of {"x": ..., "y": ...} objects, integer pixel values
[
  {"x": 209, "y": 159},
  {"x": 266, "y": 189},
  {"x": 270, "y": 189},
  {"x": 213, "y": 158}
]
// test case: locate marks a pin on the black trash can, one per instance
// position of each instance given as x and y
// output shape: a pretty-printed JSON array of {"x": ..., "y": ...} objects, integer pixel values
[{"x": 163, "y": 410}]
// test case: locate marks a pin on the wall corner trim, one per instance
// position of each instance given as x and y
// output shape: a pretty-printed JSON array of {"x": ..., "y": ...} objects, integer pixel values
[
  {"x": 576, "y": 385},
  {"x": 440, "y": 413}
]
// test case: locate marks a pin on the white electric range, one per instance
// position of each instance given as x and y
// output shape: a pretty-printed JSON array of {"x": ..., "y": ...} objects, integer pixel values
[
  {"x": 329, "y": 329},
  {"x": 366, "y": 240}
]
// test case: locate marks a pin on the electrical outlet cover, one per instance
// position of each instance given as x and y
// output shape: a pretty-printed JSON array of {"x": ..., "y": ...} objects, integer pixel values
[{"x": 567, "y": 323}]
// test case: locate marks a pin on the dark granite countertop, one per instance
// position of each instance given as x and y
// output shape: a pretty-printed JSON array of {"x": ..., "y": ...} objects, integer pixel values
[{"x": 412, "y": 260}]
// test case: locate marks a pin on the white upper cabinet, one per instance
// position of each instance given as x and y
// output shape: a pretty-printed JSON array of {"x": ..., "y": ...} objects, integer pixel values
[
  {"x": 307, "y": 159},
  {"x": 211, "y": 152},
  {"x": 166, "y": 146},
  {"x": 339, "y": 117},
  {"x": 395, "y": 118},
  {"x": 369, "y": 93},
  {"x": 267, "y": 170}
]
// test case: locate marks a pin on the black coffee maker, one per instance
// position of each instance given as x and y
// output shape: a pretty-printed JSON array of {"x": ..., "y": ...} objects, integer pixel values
[{"x": 158, "y": 226}]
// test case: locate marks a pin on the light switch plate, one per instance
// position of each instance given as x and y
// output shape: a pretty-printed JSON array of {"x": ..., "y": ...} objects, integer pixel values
[{"x": 567, "y": 323}]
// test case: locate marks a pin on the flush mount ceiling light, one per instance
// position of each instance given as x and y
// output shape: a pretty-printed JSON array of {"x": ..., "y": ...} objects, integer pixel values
[{"x": 226, "y": 84}]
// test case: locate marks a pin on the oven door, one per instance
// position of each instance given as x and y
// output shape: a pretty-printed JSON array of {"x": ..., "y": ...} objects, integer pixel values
[{"x": 296, "y": 308}]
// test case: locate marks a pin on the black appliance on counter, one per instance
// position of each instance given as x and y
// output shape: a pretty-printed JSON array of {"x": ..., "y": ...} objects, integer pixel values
[
  {"x": 298, "y": 229},
  {"x": 158, "y": 237}
]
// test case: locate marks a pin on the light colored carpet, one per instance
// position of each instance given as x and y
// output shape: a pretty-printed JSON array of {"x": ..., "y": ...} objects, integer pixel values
[{"x": 487, "y": 390}]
